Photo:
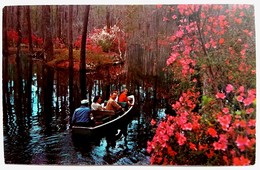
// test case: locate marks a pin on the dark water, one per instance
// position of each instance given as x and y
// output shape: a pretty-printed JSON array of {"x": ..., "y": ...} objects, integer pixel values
[{"x": 36, "y": 130}]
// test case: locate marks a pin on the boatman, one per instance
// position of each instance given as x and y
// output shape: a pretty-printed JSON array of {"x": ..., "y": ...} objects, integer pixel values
[{"x": 81, "y": 116}]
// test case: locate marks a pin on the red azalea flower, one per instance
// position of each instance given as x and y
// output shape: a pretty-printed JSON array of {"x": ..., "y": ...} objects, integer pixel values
[
  {"x": 252, "y": 142},
  {"x": 242, "y": 142},
  {"x": 225, "y": 110},
  {"x": 212, "y": 132},
  {"x": 242, "y": 123},
  {"x": 210, "y": 154},
  {"x": 222, "y": 143},
  {"x": 192, "y": 146},
  {"x": 170, "y": 151},
  {"x": 220, "y": 96},
  {"x": 241, "y": 161},
  {"x": 220, "y": 146},
  {"x": 187, "y": 126},
  {"x": 202, "y": 147},
  {"x": 250, "y": 131},
  {"x": 251, "y": 123},
  {"x": 236, "y": 123},
  {"x": 181, "y": 138},
  {"x": 153, "y": 122},
  {"x": 225, "y": 158}
]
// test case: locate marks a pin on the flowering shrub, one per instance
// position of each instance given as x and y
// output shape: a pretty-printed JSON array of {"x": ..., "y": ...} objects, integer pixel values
[
  {"x": 218, "y": 136},
  {"x": 111, "y": 40},
  {"x": 12, "y": 36},
  {"x": 213, "y": 54}
]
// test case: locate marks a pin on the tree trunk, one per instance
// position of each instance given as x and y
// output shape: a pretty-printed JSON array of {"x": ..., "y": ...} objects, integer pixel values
[
  {"x": 83, "y": 54},
  {"x": 48, "y": 45},
  {"x": 29, "y": 81},
  {"x": 71, "y": 71},
  {"x": 107, "y": 20},
  {"x": 58, "y": 16},
  {"x": 5, "y": 64},
  {"x": 48, "y": 72},
  {"x": 28, "y": 18},
  {"x": 18, "y": 96}
]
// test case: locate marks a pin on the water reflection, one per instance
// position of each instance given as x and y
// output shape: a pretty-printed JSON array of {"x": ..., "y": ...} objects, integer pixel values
[{"x": 37, "y": 113}]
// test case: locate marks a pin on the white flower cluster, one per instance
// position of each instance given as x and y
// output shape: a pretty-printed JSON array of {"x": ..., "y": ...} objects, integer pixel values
[{"x": 103, "y": 36}]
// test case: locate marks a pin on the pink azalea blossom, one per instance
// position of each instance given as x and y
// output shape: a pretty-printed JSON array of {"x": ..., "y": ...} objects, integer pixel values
[
  {"x": 229, "y": 88},
  {"x": 224, "y": 121},
  {"x": 174, "y": 17},
  {"x": 179, "y": 33},
  {"x": 250, "y": 110},
  {"x": 240, "y": 98},
  {"x": 241, "y": 89},
  {"x": 165, "y": 19},
  {"x": 248, "y": 101}
]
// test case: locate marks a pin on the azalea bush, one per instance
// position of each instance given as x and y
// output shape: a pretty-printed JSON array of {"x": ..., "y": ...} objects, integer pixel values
[
  {"x": 109, "y": 39},
  {"x": 12, "y": 36},
  {"x": 213, "y": 52}
]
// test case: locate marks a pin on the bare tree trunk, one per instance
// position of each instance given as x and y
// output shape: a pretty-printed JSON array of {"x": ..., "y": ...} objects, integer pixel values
[
  {"x": 155, "y": 61},
  {"x": 28, "y": 18},
  {"x": 58, "y": 16},
  {"x": 5, "y": 64},
  {"x": 18, "y": 94},
  {"x": 107, "y": 20},
  {"x": 48, "y": 45},
  {"x": 83, "y": 54},
  {"x": 71, "y": 71},
  {"x": 48, "y": 72},
  {"x": 29, "y": 81}
]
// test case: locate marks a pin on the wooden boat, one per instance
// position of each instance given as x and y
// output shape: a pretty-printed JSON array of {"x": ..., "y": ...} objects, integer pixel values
[{"x": 105, "y": 122}]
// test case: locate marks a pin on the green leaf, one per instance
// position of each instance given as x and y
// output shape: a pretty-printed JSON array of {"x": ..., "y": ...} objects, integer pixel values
[
  {"x": 238, "y": 112},
  {"x": 206, "y": 100}
]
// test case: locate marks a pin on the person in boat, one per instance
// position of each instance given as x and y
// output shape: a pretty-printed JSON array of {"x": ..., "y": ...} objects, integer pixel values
[
  {"x": 123, "y": 100},
  {"x": 82, "y": 116},
  {"x": 112, "y": 104},
  {"x": 116, "y": 92},
  {"x": 96, "y": 105}
]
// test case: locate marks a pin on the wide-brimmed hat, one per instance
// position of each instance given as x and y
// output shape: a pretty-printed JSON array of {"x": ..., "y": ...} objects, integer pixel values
[{"x": 84, "y": 101}]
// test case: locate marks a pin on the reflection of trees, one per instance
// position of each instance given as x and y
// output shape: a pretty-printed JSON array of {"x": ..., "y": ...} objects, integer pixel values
[{"x": 48, "y": 74}]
